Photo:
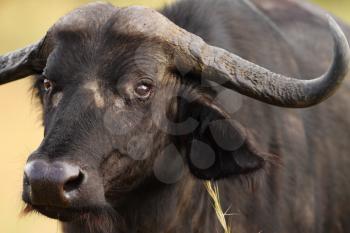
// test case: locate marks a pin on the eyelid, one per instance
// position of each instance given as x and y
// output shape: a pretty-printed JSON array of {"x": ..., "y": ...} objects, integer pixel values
[{"x": 147, "y": 80}]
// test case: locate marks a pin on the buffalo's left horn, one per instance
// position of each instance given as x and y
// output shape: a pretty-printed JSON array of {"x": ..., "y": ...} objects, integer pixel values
[
  {"x": 22, "y": 63},
  {"x": 249, "y": 79}
]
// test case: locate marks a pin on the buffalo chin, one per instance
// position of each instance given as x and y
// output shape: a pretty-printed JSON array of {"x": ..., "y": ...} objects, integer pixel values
[
  {"x": 67, "y": 215},
  {"x": 62, "y": 214}
]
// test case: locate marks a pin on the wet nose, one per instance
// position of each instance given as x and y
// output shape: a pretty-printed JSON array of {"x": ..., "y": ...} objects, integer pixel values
[{"x": 53, "y": 184}]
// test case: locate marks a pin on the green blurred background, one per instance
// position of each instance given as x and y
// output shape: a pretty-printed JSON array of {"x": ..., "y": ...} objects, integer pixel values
[{"x": 23, "y": 22}]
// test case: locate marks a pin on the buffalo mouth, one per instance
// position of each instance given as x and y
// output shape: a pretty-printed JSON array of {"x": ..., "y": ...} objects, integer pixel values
[
  {"x": 72, "y": 214},
  {"x": 58, "y": 213}
]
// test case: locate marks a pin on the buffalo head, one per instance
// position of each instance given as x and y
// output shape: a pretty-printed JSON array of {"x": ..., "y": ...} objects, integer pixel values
[{"x": 128, "y": 102}]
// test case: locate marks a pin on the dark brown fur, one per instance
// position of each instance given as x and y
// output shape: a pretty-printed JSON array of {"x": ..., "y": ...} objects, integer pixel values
[{"x": 290, "y": 174}]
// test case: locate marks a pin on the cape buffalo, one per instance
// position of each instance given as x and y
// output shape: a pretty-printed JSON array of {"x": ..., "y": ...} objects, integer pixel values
[{"x": 140, "y": 106}]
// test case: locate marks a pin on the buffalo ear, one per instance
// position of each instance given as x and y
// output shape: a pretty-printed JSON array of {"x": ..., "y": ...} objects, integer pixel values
[{"x": 220, "y": 147}]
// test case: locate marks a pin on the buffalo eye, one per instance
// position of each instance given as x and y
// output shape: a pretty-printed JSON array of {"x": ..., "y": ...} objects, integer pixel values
[
  {"x": 48, "y": 85},
  {"x": 143, "y": 89}
]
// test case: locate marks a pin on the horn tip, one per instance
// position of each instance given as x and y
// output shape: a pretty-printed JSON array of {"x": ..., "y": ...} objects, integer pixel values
[
  {"x": 341, "y": 45},
  {"x": 337, "y": 32}
]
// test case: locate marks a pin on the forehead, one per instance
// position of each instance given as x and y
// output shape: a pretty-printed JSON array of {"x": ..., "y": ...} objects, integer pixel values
[
  {"x": 102, "y": 38},
  {"x": 128, "y": 20}
]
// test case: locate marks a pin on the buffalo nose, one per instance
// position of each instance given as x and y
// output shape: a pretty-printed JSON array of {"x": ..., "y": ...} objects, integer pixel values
[{"x": 53, "y": 184}]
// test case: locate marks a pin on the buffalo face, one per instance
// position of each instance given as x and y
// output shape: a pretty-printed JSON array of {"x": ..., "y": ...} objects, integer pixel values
[{"x": 101, "y": 133}]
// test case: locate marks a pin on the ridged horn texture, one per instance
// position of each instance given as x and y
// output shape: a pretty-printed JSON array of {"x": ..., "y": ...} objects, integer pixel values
[
  {"x": 249, "y": 79},
  {"x": 21, "y": 63}
]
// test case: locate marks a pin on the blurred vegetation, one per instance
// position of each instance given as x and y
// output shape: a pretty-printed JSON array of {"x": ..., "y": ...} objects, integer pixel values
[
  {"x": 21, "y": 23},
  {"x": 340, "y": 8}
]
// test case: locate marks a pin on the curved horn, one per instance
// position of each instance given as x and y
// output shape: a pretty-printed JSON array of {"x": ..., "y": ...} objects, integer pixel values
[
  {"x": 249, "y": 79},
  {"x": 21, "y": 63}
]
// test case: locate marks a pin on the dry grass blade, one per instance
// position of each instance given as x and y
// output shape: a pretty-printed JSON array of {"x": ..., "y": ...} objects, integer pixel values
[{"x": 213, "y": 191}]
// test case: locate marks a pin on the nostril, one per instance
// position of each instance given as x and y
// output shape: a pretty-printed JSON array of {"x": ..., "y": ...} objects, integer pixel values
[
  {"x": 52, "y": 184},
  {"x": 74, "y": 182}
]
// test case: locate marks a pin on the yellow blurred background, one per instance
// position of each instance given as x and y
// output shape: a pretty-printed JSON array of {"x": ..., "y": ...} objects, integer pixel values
[{"x": 23, "y": 22}]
